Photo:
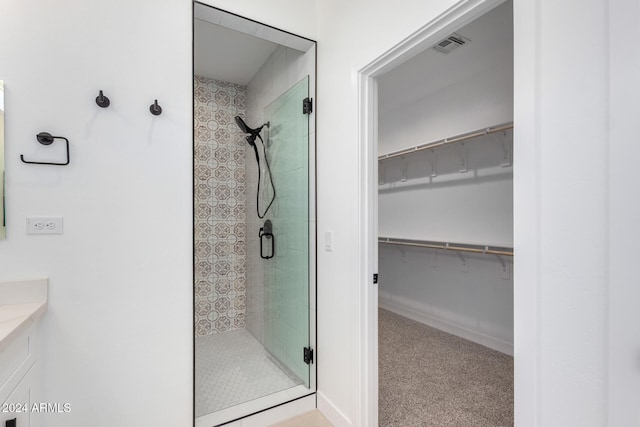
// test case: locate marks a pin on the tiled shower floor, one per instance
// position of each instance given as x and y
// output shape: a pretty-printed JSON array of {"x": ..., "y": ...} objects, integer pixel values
[{"x": 232, "y": 368}]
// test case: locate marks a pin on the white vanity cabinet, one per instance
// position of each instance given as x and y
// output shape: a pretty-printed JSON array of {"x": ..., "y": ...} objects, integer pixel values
[
  {"x": 18, "y": 376},
  {"x": 21, "y": 310}
]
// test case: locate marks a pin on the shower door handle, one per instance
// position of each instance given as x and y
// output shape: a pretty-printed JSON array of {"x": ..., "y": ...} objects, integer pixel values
[
  {"x": 265, "y": 232},
  {"x": 271, "y": 238}
]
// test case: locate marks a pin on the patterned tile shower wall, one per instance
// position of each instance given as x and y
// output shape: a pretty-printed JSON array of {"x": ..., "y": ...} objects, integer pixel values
[{"x": 220, "y": 207}]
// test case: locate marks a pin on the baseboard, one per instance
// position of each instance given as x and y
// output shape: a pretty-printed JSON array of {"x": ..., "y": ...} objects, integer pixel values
[
  {"x": 477, "y": 337},
  {"x": 261, "y": 418},
  {"x": 281, "y": 413},
  {"x": 332, "y": 413}
]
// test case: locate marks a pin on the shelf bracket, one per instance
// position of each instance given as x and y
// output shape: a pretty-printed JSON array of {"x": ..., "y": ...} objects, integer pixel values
[
  {"x": 506, "y": 152},
  {"x": 434, "y": 258},
  {"x": 405, "y": 169},
  {"x": 465, "y": 264},
  {"x": 505, "y": 271},
  {"x": 381, "y": 174},
  {"x": 432, "y": 160},
  {"x": 463, "y": 159}
]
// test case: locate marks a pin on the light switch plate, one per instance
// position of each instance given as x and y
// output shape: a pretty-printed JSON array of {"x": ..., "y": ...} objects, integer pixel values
[{"x": 328, "y": 241}]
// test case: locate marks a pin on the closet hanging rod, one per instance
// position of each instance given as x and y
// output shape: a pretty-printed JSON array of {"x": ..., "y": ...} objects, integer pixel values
[
  {"x": 447, "y": 141},
  {"x": 459, "y": 247}
]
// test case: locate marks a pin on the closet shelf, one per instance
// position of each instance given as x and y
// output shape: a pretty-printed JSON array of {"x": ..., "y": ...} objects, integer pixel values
[
  {"x": 457, "y": 247},
  {"x": 447, "y": 141}
]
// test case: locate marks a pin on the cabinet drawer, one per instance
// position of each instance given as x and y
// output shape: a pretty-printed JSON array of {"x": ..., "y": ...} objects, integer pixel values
[
  {"x": 18, "y": 405},
  {"x": 15, "y": 361}
]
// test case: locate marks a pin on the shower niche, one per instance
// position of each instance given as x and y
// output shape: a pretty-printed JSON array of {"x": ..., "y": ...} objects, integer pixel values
[{"x": 254, "y": 216}]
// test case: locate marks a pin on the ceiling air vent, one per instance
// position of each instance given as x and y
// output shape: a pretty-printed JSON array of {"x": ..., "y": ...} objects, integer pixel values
[{"x": 451, "y": 43}]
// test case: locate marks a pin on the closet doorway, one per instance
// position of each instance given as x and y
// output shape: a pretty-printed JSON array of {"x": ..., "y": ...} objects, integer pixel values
[{"x": 441, "y": 143}]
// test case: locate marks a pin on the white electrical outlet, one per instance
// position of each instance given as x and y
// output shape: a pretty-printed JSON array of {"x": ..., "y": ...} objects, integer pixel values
[{"x": 44, "y": 225}]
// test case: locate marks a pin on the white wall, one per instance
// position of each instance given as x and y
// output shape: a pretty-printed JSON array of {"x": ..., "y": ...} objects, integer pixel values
[
  {"x": 624, "y": 294},
  {"x": 561, "y": 221},
  {"x": 473, "y": 300},
  {"x": 474, "y": 207},
  {"x": 435, "y": 95},
  {"x": 350, "y": 34},
  {"x": 436, "y": 201},
  {"x": 118, "y": 334},
  {"x": 117, "y": 338}
]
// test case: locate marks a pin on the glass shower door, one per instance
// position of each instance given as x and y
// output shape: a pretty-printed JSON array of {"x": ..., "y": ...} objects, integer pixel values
[{"x": 286, "y": 275}]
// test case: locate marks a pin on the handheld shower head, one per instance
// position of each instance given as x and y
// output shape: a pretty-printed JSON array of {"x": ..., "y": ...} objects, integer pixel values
[
  {"x": 252, "y": 133},
  {"x": 243, "y": 126}
]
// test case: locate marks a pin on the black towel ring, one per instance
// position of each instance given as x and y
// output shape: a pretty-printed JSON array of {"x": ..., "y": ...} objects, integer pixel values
[{"x": 45, "y": 138}]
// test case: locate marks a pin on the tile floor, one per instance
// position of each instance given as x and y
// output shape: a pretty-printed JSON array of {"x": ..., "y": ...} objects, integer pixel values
[
  {"x": 232, "y": 368},
  {"x": 308, "y": 419}
]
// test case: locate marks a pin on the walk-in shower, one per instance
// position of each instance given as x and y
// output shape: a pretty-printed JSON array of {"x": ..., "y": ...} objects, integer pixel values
[{"x": 254, "y": 247}]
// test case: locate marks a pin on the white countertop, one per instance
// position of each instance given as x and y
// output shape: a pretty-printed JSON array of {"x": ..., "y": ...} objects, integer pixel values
[{"x": 21, "y": 303}]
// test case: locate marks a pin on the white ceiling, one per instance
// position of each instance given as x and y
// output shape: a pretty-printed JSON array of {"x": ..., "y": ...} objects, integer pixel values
[
  {"x": 231, "y": 48},
  {"x": 491, "y": 38},
  {"x": 228, "y": 55}
]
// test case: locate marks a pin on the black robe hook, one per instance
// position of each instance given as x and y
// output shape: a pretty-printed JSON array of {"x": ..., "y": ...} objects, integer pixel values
[
  {"x": 155, "y": 109},
  {"x": 102, "y": 100}
]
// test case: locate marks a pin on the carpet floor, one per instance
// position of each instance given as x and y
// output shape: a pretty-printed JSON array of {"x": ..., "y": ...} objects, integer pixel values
[{"x": 431, "y": 378}]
